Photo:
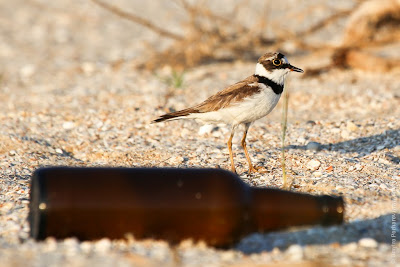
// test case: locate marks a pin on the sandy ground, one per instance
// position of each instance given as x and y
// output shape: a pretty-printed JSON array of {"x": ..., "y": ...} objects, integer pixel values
[{"x": 66, "y": 102}]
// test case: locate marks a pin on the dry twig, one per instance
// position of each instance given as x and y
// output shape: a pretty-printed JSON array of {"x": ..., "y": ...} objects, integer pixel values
[
  {"x": 210, "y": 36},
  {"x": 138, "y": 20}
]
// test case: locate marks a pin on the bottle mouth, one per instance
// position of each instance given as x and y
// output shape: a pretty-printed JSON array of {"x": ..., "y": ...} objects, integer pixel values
[
  {"x": 333, "y": 210},
  {"x": 37, "y": 207}
]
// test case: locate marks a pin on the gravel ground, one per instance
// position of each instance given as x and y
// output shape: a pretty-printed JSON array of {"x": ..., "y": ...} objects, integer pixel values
[{"x": 64, "y": 103}]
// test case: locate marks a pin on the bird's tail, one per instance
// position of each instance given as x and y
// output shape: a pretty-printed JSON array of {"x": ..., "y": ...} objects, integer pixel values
[{"x": 181, "y": 114}]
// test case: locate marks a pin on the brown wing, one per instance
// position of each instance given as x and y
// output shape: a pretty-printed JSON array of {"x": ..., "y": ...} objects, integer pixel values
[
  {"x": 229, "y": 95},
  {"x": 222, "y": 99}
]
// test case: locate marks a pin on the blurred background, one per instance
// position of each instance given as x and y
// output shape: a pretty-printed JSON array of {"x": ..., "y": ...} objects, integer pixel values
[{"x": 39, "y": 37}]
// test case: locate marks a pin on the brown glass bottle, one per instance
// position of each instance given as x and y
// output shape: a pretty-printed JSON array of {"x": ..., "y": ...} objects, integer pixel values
[{"x": 212, "y": 205}]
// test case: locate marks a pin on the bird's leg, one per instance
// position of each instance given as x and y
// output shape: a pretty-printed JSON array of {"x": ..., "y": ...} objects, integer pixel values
[
  {"x": 251, "y": 167},
  {"x": 233, "y": 169}
]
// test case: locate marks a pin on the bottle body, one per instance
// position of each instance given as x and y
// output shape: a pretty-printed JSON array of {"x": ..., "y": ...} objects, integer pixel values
[
  {"x": 92, "y": 203},
  {"x": 171, "y": 204}
]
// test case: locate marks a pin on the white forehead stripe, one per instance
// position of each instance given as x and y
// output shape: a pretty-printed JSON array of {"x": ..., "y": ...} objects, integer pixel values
[{"x": 271, "y": 57}]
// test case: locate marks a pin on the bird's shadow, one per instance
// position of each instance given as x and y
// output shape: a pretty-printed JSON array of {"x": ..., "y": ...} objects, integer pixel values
[
  {"x": 363, "y": 145},
  {"x": 383, "y": 229},
  {"x": 45, "y": 143}
]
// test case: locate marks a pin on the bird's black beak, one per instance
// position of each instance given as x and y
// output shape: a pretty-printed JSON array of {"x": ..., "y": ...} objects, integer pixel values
[{"x": 296, "y": 69}]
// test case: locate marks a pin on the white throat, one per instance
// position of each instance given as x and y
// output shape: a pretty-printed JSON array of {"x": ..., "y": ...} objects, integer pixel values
[{"x": 276, "y": 75}]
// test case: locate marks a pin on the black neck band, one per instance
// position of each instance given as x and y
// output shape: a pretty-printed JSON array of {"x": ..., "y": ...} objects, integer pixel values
[{"x": 277, "y": 88}]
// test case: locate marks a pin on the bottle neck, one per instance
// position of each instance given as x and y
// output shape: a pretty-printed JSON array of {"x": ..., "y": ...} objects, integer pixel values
[{"x": 273, "y": 208}]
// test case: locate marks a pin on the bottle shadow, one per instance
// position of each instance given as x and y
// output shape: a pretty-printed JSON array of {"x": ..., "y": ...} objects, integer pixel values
[
  {"x": 383, "y": 229},
  {"x": 363, "y": 145}
]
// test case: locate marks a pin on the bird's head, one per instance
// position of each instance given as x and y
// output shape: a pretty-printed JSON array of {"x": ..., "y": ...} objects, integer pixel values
[{"x": 275, "y": 67}]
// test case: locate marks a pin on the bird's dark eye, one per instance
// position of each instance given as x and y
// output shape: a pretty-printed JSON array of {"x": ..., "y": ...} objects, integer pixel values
[{"x": 277, "y": 62}]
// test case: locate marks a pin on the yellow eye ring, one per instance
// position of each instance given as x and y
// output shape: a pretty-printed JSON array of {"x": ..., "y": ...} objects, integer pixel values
[{"x": 277, "y": 62}]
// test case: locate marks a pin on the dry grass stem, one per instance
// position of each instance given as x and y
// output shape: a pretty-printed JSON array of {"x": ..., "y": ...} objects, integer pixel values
[{"x": 283, "y": 137}]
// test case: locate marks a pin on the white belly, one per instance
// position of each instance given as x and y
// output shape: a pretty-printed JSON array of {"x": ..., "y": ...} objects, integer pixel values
[{"x": 248, "y": 110}]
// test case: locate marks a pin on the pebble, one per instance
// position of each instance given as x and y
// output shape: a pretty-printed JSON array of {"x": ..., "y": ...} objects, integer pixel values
[
  {"x": 86, "y": 246},
  {"x": 68, "y": 125},
  {"x": 50, "y": 244},
  {"x": 206, "y": 129},
  {"x": 384, "y": 248},
  {"x": 27, "y": 71},
  {"x": 359, "y": 167},
  {"x": 344, "y": 261},
  {"x": 71, "y": 241},
  {"x": 103, "y": 245},
  {"x": 350, "y": 247},
  {"x": 351, "y": 126},
  {"x": 175, "y": 160},
  {"x": 368, "y": 242},
  {"x": 313, "y": 164},
  {"x": 88, "y": 68},
  {"x": 71, "y": 246},
  {"x": 345, "y": 134},
  {"x": 301, "y": 140},
  {"x": 373, "y": 185},
  {"x": 383, "y": 186},
  {"x": 384, "y": 161},
  {"x": 185, "y": 132},
  {"x": 295, "y": 252},
  {"x": 314, "y": 146},
  {"x": 317, "y": 174},
  {"x": 228, "y": 256},
  {"x": 380, "y": 147}
]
